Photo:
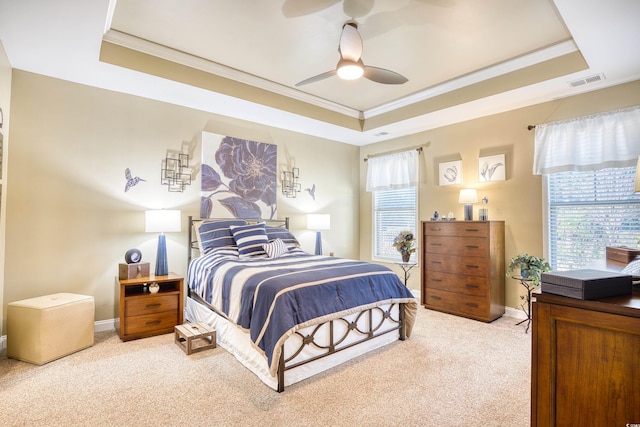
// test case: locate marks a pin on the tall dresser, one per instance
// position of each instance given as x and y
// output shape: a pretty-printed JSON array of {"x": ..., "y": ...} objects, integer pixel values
[{"x": 463, "y": 268}]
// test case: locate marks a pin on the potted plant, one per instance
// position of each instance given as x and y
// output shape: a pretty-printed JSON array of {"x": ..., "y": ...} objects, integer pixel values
[
  {"x": 404, "y": 243},
  {"x": 531, "y": 267}
]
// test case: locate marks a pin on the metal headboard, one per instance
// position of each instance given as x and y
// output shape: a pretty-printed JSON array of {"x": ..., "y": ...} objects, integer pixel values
[{"x": 192, "y": 243}]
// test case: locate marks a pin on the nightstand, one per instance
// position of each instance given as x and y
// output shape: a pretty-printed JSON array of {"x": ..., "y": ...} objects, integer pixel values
[{"x": 145, "y": 314}]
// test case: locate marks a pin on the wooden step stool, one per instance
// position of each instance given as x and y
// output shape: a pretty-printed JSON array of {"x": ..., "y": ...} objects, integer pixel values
[{"x": 186, "y": 334}]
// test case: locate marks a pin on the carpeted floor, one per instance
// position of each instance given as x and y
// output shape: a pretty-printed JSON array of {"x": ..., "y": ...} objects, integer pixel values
[{"x": 451, "y": 372}]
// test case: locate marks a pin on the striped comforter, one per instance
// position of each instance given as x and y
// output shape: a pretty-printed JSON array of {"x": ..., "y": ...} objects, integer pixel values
[{"x": 271, "y": 298}]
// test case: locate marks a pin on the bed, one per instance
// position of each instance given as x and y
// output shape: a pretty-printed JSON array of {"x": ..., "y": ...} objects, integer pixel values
[{"x": 283, "y": 313}]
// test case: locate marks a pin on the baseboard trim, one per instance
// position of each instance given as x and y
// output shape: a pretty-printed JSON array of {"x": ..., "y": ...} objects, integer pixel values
[
  {"x": 514, "y": 312},
  {"x": 104, "y": 325}
]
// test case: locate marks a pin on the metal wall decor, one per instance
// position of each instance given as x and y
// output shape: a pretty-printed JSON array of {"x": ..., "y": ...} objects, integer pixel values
[
  {"x": 175, "y": 172},
  {"x": 290, "y": 184}
]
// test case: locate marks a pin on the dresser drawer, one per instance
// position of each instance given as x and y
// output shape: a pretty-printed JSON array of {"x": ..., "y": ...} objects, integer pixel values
[
  {"x": 466, "y": 305},
  {"x": 468, "y": 285},
  {"x": 462, "y": 229},
  {"x": 151, "y": 322},
  {"x": 151, "y": 304},
  {"x": 462, "y": 246},
  {"x": 468, "y": 266}
]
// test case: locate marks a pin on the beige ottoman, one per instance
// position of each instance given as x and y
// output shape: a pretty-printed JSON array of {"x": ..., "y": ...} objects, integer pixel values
[{"x": 45, "y": 328}]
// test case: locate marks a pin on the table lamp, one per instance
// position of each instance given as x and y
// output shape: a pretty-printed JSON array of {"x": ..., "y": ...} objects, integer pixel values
[
  {"x": 318, "y": 222},
  {"x": 468, "y": 197},
  {"x": 162, "y": 221}
]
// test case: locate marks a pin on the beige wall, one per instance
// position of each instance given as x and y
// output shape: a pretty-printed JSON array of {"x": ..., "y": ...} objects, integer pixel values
[
  {"x": 518, "y": 200},
  {"x": 70, "y": 221},
  {"x": 5, "y": 101}
]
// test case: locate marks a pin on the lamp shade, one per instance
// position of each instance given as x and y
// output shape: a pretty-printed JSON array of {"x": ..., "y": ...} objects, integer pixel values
[
  {"x": 318, "y": 221},
  {"x": 468, "y": 196},
  {"x": 162, "y": 221},
  {"x": 637, "y": 187}
]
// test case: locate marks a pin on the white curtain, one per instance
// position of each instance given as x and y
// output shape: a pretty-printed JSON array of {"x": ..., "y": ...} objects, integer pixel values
[
  {"x": 588, "y": 143},
  {"x": 392, "y": 171}
]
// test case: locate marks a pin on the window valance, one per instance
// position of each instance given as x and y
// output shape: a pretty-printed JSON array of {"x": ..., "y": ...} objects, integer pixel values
[
  {"x": 588, "y": 143},
  {"x": 392, "y": 171}
]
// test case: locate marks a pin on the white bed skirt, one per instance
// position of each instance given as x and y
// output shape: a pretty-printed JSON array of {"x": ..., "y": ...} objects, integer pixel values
[{"x": 238, "y": 343}]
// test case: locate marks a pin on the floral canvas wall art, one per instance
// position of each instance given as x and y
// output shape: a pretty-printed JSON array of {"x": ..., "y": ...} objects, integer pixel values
[
  {"x": 450, "y": 173},
  {"x": 238, "y": 178},
  {"x": 491, "y": 168}
]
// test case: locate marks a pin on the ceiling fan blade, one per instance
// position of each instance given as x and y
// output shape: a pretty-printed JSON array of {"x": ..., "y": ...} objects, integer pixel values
[
  {"x": 350, "y": 46},
  {"x": 380, "y": 75},
  {"x": 317, "y": 78}
]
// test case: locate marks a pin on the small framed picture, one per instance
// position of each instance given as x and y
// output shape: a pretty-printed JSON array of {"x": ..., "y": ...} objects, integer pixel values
[
  {"x": 492, "y": 168},
  {"x": 450, "y": 173}
]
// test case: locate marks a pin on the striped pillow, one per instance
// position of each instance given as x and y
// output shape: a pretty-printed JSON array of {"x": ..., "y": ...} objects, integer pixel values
[
  {"x": 275, "y": 248},
  {"x": 249, "y": 239},
  {"x": 283, "y": 234},
  {"x": 215, "y": 234}
]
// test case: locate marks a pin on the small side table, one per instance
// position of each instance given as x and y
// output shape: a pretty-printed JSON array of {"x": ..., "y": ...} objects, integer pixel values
[
  {"x": 406, "y": 267},
  {"x": 188, "y": 333},
  {"x": 530, "y": 286}
]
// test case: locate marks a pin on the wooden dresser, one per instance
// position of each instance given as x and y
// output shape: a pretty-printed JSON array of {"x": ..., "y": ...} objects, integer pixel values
[
  {"x": 585, "y": 367},
  {"x": 463, "y": 268}
]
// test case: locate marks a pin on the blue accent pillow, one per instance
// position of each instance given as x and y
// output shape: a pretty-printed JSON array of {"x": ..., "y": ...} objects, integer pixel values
[
  {"x": 249, "y": 239},
  {"x": 216, "y": 234},
  {"x": 283, "y": 234}
]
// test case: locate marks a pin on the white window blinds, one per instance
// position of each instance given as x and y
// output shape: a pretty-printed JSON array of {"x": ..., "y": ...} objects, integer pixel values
[
  {"x": 393, "y": 211},
  {"x": 392, "y": 171},
  {"x": 608, "y": 140},
  {"x": 588, "y": 211}
]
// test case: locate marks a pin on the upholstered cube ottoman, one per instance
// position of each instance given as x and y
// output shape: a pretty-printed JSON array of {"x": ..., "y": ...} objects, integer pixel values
[{"x": 46, "y": 328}]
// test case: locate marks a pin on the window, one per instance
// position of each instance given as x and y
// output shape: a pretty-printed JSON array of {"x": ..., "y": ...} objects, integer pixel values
[
  {"x": 588, "y": 211},
  {"x": 393, "y": 211}
]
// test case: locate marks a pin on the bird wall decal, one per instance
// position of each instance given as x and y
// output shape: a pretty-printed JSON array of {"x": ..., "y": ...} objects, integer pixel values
[
  {"x": 311, "y": 191},
  {"x": 131, "y": 181}
]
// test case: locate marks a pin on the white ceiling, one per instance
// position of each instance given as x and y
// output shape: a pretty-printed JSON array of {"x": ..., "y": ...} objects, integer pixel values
[{"x": 265, "y": 47}]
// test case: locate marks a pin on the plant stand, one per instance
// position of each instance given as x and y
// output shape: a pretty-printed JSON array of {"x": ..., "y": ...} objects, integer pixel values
[{"x": 530, "y": 286}]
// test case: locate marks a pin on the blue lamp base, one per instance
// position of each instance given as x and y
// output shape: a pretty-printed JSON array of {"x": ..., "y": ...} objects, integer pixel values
[
  {"x": 162, "y": 268},
  {"x": 318, "y": 243}
]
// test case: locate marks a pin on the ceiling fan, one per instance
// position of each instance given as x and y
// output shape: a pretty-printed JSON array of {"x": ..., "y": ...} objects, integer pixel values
[{"x": 350, "y": 65}]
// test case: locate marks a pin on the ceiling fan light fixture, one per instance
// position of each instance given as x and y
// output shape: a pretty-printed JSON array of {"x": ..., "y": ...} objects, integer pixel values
[{"x": 349, "y": 70}]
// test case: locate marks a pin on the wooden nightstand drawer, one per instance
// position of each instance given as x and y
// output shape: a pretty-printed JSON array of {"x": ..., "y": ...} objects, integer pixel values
[
  {"x": 151, "y": 322},
  {"x": 469, "y": 285},
  {"x": 143, "y": 314},
  {"x": 462, "y": 228},
  {"x": 468, "y": 266},
  {"x": 149, "y": 304},
  {"x": 465, "y": 305},
  {"x": 461, "y": 246}
]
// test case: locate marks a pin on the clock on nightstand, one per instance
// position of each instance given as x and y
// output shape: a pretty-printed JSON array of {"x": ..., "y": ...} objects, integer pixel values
[{"x": 145, "y": 314}]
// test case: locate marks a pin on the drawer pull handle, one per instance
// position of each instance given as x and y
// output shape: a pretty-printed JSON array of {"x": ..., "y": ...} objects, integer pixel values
[
  {"x": 436, "y": 244},
  {"x": 153, "y": 322},
  {"x": 468, "y": 285},
  {"x": 472, "y": 247},
  {"x": 471, "y": 229},
  {"x": 436, "y": 262},
  {"x": 435, "y": 229},
  {"x": 436, "y": 280},
  {"x": 472, "y": 266},
  {"x": 153, "y": 305},
  {"x": 435, "y": 297},
  {"x": 471, "y": 304}
]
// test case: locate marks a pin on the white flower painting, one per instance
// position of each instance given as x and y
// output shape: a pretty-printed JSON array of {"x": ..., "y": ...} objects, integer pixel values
[
  {"x": 492, "y": 168},
  {"x": 450, "y": 173}
]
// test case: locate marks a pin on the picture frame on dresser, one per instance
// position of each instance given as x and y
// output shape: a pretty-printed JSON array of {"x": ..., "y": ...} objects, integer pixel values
[{"x": 464, "y": 268}]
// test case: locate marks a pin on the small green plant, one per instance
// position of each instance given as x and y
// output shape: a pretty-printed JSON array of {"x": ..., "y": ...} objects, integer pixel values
[
  {"x": 404, "y": 242},
  {"x": 531, "y": 267}
]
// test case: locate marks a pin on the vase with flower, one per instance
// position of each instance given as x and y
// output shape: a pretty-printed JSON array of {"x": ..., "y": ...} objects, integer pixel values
[{"x": 405, "y": 244}]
